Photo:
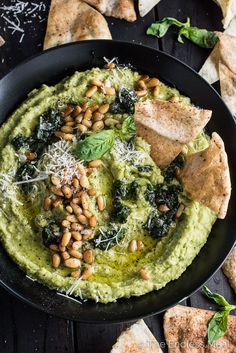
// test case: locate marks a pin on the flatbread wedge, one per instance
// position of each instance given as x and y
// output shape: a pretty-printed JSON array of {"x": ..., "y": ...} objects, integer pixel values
[
  {"x": 123, "y": 9},
  {"x": 229, "y": 268},
  {"x": 136, "y": 339},
  {"x": 228, "y": 86},
  {"x": 206, "y": 177},
  {"x": 72, "y": 20},
  {"x": 210, "y": 69},
  {"x": 168, "y": 126},
  {"x": 185, "y": 331},
  {"x": 228, "y": 8},
  {"x": 145, "y": 6}
]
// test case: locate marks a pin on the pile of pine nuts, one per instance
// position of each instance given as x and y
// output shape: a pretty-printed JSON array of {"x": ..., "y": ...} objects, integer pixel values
[
  {"x": 79, "y": 223},
  {"x": 146, "y": 83}
]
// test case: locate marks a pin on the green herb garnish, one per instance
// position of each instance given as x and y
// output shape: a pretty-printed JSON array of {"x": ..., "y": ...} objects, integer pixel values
[
  {"x": 105, "y": 239},
  {"x": 124, "y": 102},
  {"x": 51, "y": 234},
  {"x": 217, "y": 326},
  {"x": 199, "y": 36}
]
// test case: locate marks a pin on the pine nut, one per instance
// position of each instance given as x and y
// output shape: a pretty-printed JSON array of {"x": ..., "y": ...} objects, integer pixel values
[
  {"x": 67, "y": 129},
  {"x": 103, "y": 109},
  {"x": 66, "y": 137},
  {"x": 95, "y": 164},
  {"x": 84, "y": 182},
  {"x": 76, "y": 235},
  {"x": 90, "y": 92},
  {"x": 67, "y": 111},
  {"x": 75, "y": 200},
  {"x": 30, "y": 156},
  {"x": 133, "y": 246},
  {"x": 156, "y": 91},
  {"x": 110, "y": 91},
  {"x": 79, "y": 118},
  {"x": 54, "y": 180},
  {"x": 65, "y": 223},
  {"x": 65, "y": 255},
  {"x": 82, "y": 128},
  {"x": 54, "y": 247},
  {"x": 68, "y": 119},
  {"x": 47, "y": 203},
  {"x": 153, "y": 82},
  {"x": 85, "y": 106},
  {"x": 87, "y": 213},
  {"x": 87, "y": 123},
  {"x": 93, "y": 221},
  {"x": 62, "y": 248},
  {"x": 180, "y": 210},
  {"x": 111, "y": 122},
  {"x": 110, "y": 66},
  {"x": 65, "y": 238},
  {"x": 98, "y": 125},
  {"x": 141, "y": 93},
  {"x": 71, "y": 218},
  {"x": 56, "y": 191},
  {"x": 76, "y": 254},
  {"x": 142, "y": 85},
  {"x": 76, "y": 209},
  {"x": 67, "y": 191},
  {"x": 77, "y": 244},
  {"x": 76, "y": 111},
  {"x": 94, "y": 108},
  {"x": 140, "y": 244},
  {"x": 75, "y": 183},
  {"x": 87, "y": 272},
  {"x": 88, "y": 114},
  {"x": 144, "y": 77},
  {"x": 72, "y": 263},
  {"x": 76, "y": 227},
  {"x": 144, "y": 275},
  {"x": 75, "y": 274},
  {"x": 174, "y": 99},
  {"x": 88, "y": 256},
  {"x": 101, "y": 203},
  {"x": 97, "y": 83},
  {"x": 56, "y": 203},
  {"x": 98, "y": 116},
  {"x": 163, "y": 208},
  {"x": 92, "y": 192},
  {"x": 82, "y": 219},
  {"x": 70, "y": 123},
  {"x": 56, "y": 260}
]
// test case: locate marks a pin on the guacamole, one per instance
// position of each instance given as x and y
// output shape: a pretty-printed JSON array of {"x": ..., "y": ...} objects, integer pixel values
[{"x": 84, "y": 208}]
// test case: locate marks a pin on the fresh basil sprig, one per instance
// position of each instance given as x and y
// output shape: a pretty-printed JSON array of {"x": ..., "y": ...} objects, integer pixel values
[
  {"x": 95, "y": 145},
  {"x": 160, "y": 28},
  {"x": 217, "y": 326},
  {"x": 199, "y": 36}
]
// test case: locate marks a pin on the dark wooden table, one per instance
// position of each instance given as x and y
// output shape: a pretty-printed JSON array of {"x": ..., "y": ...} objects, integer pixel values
[{"x": 24, "y": 329}]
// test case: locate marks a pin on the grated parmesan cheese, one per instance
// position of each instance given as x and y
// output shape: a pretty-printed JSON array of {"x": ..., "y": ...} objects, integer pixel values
[{"x": 128, "y": 153}]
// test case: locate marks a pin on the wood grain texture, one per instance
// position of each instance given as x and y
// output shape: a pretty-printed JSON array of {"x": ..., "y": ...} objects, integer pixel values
[{"x": 24, "y": 329}]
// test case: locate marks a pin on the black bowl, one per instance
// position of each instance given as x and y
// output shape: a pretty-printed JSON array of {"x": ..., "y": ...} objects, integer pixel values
[{"x": 52, "y": 65}]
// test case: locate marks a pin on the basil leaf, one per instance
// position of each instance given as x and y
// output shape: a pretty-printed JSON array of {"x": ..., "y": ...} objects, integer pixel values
[
  {"x": 219, "y": 299},
  {"x": 95, "y": 145},
  {"x": 217, "y": 326},
  {"x": 128, "y": 129},
  {"x": 201, "y": 37},
  {"x": 160, "y": 28}
]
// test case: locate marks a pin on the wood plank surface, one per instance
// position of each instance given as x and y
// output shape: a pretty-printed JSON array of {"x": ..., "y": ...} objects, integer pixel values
[{"x": 24, "y": 329}]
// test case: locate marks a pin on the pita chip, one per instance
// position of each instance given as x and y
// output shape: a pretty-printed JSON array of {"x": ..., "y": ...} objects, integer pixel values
[
  {"x": 210, "y": 69},
  {"x": 136, "y": 339},
  {"x": 2, "y": 41},
  {"x": 146, "y": 5},
  {"x": 229, "y": 268},
  {"x": 206, "y": 177},
  {"x": 228, "y": 8},
  {"x": 185, "y": 331},
  {"x": 228, "y": 86},
  {"x": 123, "y": 9},
  {"x": 72, "y": 20},
  {"x": 168, "y": 126}
]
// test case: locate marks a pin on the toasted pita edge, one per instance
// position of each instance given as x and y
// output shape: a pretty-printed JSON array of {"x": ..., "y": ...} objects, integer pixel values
[
  {"x": 145, "y": 6},
  {"x": 229, "y": 268},
  {"x": 62, "y": 32},
  {"x": 228, "y": 86},
  {"x": 137, "y": 338}
]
